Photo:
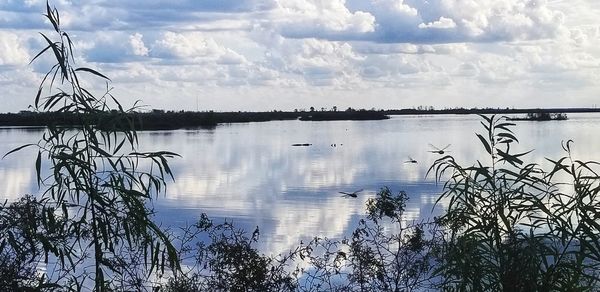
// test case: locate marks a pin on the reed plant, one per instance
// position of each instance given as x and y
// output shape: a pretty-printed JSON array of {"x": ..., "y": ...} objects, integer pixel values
[
  {"x": 513, "y": 226},
  {"x": 96, "y": 185}
]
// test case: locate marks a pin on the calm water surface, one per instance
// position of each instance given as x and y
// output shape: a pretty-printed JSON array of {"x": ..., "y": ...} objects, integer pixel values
[{"x": 251, "y": 175}]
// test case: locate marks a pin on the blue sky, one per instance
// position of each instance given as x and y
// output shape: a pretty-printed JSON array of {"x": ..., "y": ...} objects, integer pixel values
[{"x": 286, "y": 54}]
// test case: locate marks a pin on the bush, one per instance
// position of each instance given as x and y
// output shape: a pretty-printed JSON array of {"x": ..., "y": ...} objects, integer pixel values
[
  {"x": 381, "y": 255},
  {"x": 513, "y": 226},
  {"x": 92, "y": 216},
  {"x": 228, "y": 261},
  {"x": 384, "y": 253},
  {"x": 20, "y": 244}
]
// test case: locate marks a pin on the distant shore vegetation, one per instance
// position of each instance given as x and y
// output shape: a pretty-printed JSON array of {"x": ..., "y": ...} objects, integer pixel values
[
  {"x": 158, "y": 119},
  {"x": 541, "y": 116}
]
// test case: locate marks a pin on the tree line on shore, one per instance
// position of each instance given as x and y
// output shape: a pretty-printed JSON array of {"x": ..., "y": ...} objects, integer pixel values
[{"x": 168, "y": 120}]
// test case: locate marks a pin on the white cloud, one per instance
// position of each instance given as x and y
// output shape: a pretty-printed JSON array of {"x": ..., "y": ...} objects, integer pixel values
[
  {"x": 230, "y": 57},
  {"x": 467, "y": 69},
  {"x": 307, "y": 18},
  {"x": 137, "y": 45},
  {"x": 193, "y": 47},
  {"x": 113, "y": 47},
  {"x": 175, "y": 45},
  {"x": 319, "y": 62},
  {"x": 133, "y": 72},
  {"x": 417, "y": 21},
  {"x": 13, "y": 50},
  {"x": 442, "y": 23},
  {"x": 283, "y": 52}
]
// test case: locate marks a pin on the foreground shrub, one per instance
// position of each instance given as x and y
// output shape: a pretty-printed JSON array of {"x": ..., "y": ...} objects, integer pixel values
[
  {"x": 227, "y": 261},
  {"x": 21, "y": 243},
  {"x": 92, "y": 218},
  {"x": 513, "y": 226},
  {"x": 383, "y": 254}
]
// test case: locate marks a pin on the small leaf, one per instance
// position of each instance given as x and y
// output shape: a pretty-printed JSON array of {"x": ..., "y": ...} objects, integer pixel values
[
  {"x": 39, "y": 54},
  {"x": 38, "y": 166},
  {"x": 485, "y": 144},
  {"x": 17, "y": 149},
  {"x": 92, "y": 71},
  {"x": 489, "y": 120},
  {"x": 508, "y": 136}
]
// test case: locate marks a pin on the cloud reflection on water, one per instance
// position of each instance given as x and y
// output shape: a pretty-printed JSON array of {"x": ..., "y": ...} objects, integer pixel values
[{"x": 250, "y": 173}]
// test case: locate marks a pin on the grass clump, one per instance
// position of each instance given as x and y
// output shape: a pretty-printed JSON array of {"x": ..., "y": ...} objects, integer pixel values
[{"x": 513, "y": 226}]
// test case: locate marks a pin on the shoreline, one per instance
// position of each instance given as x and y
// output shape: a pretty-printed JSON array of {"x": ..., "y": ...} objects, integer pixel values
[{"x": 171, "y": 120}]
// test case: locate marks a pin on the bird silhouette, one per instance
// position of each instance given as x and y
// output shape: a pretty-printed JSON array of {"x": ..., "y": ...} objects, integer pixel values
[
  {"x": 351, "y": 195},
  {"x": 410, "y": 160},
  {"x": 438, "y": 150}
]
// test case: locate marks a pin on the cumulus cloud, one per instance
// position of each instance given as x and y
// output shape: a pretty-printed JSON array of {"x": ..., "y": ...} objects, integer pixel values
[
  {"x": 14, "y": 52},
  {"x": 337, "y": 49},
  {"x": 319, "y": 62},
  {"x": 230, "y": 57},
  {"x": 137, "y": 45},
  {"x": 191, "y": 5},
  {"x": 384, "y": 21},
  {"x": 390, "y": 49},
  {"x": 418, "y": 21},
  {"x": 442, "y": 23},
  {"x": 510, "y": 20},
  {"x": 174, "y": 45},
  {"x": 307, "y": 18},
  {"x": 115, "y": 47},
  {"x": 193, "y": 47},
  {"x": 467, "y": 69},
  {"x": 133, "y": 14},
  {"x": 133, "y": 72}
]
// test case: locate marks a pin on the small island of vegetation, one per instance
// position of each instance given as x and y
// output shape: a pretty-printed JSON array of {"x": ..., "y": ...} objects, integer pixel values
[
  {"x": 541, "y": 116},
  {"x": 352, "y": 115}
]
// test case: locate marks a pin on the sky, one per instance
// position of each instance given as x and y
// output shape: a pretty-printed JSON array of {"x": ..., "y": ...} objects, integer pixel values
[{"x": 230, "y": 55}]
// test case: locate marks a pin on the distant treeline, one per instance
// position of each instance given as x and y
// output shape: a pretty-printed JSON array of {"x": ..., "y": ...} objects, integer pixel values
[
  {"x": 160, "y": 119},
  {"x": 359, "y": 115},
  {"x": 155, "y": 120},
  {"x": 486, "y": 111}
]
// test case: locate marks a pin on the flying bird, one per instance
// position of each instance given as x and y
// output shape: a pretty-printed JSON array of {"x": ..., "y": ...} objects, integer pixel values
[
  {"x": 410, "y": 160},
  {"x": 438, "y": 150},
  {"x": 351, "y": 195}
]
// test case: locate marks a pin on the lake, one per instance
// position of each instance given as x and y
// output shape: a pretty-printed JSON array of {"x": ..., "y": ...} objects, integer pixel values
[{"x": 251, "y": 174}]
